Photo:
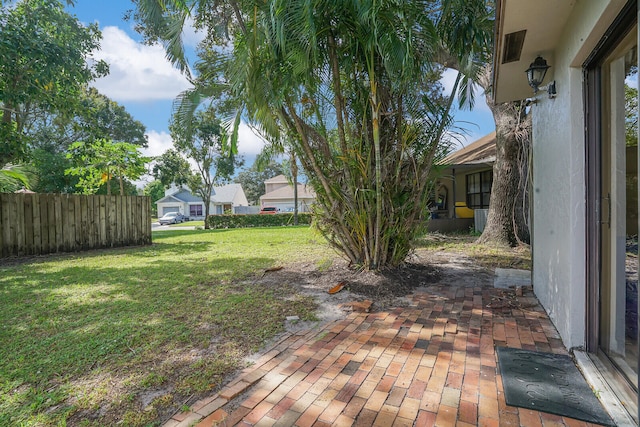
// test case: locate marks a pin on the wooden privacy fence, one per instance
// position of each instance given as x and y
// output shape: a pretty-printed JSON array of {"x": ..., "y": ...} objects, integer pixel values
[{"x": 32, "y": 224}]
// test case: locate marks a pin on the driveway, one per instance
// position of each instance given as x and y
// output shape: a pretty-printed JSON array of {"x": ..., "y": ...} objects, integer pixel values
[{"x": 156, "y": 226}]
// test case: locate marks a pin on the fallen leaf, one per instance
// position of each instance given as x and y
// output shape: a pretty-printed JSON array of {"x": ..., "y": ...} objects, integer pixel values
[{"x": 337, "y": 288}]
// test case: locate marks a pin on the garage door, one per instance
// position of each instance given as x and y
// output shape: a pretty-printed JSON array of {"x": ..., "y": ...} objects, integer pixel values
[{"x": 167, "y": 209}]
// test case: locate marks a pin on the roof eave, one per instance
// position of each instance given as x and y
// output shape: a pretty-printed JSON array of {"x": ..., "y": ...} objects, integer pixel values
[{"x": 543, "y": 31}]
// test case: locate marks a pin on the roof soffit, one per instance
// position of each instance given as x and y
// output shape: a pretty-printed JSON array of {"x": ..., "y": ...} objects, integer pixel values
[{"x": 544, "y": 22}]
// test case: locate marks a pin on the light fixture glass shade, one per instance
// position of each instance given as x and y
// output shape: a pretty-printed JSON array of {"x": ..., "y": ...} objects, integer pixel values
[{"x": 536, "y": 72}]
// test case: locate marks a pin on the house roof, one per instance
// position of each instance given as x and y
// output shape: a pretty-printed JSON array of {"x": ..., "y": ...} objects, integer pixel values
[
  {"x": 221, "y": 194},
  {"x": 304, "y": 192},
  {"x": 482, "y": 151},
  {"x": 278, "y": 179},
  {"x": 525, "y": 29},
  {"x": 225, "y": 193},
  {"x": 182, "y": 196},
  {"x": 171, "y": 198}
]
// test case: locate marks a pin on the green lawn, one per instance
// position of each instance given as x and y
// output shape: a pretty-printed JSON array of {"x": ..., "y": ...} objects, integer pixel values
[{"x": 128, "y": 334}]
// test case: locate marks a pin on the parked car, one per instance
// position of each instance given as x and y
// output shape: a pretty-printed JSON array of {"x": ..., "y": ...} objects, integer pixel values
[
  {"x": 171, "y": 218},
  {"x": 268, "y": 210}
]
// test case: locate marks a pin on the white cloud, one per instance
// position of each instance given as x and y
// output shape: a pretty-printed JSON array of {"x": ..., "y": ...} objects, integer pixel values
[
  {"x": 248, "y": 142},
  {"x": 137, "y": 72},
  {"x": 448, "y": 79},
  {"x": 159, "y": 142}
]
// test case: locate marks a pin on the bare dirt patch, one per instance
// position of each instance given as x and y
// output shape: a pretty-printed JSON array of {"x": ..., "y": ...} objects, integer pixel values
[{"x": 388, "y": 288}]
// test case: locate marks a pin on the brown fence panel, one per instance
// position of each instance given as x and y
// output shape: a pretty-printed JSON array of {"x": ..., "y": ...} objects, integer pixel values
[{"x": 32, "y": 224}]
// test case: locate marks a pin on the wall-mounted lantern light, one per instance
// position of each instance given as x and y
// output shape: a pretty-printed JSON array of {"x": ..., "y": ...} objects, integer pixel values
[{"x": 535, "y": 74}]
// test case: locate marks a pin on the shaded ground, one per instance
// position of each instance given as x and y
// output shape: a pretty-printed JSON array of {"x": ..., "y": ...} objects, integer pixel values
[{"x": 389, "y": 288}]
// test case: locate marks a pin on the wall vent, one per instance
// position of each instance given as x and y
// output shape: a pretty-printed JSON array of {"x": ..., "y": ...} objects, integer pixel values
[{"x": 513, "y": 43}]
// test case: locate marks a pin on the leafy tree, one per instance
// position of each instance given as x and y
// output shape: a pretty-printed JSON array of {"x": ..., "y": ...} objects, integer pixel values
[
  {"x": 100, "y": 161},
  {"x": 97, "y": 117},
  {"x": 94, "y": 117},
  {"x": 354, "y": 85},
  {"x": 204, "y": 146},
  {"x": 252, "y": 179},
  {"x": 155, "y": 190},
  {"x": 44, "y": 66},
  {"x": 171, "y": 168},
  {"x": 50, "y": 166}
]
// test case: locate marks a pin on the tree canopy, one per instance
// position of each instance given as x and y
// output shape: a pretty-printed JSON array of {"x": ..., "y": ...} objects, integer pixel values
[
  {"x": 353, "y": 85},
  {"x": 50, "y": 134},
  {"x": 252, "y": 180},
  {"x": 98, "y": 161},
  {"x": 202, "y": 143},
  {"x": 45, "y": 64}
]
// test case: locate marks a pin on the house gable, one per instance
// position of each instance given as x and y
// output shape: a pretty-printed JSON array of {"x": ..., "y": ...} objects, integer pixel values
[{"x": 170, "y": 199}]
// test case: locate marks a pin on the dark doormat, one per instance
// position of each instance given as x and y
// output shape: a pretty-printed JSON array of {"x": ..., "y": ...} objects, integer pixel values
[{"x": 549, "y": 383}]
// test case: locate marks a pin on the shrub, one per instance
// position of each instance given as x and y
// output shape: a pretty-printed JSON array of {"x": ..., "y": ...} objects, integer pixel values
[{"x": 256, "y": 220}]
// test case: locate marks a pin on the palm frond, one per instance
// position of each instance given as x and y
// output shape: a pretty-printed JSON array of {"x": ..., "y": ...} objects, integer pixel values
[{"x": 13, "y": 177}]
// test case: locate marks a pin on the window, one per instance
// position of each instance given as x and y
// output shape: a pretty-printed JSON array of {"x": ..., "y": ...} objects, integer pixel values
[
  {"x": 195, "y": 210},
  {"x": 479, "y": 189}
]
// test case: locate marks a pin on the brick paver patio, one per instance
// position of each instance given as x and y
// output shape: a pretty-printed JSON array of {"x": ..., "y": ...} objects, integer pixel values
[{"x": 431, "y": 363}]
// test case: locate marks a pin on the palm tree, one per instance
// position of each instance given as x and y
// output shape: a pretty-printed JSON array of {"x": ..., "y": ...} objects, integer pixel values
[{"x": 353, "y": 86}]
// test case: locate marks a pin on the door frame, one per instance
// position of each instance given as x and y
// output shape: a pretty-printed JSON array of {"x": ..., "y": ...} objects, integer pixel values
[{"x": 592, "y": 97}]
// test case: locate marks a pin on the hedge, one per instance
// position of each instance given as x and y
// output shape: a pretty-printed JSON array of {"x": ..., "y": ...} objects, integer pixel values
[{"x": 256, "y": 220}]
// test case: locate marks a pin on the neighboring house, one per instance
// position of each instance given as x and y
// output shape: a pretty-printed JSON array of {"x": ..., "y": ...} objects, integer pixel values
[
  {"x": 225, "y": 198},
  {"x": 584, "y": 174},
  {"x": 463, "y": 190},
  {"x": 279, "y": 193}
]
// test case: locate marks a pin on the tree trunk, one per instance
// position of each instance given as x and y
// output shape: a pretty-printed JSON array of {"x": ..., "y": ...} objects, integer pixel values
[
  {"x": 507, "y": 221},
  {"x": 207, "y": 203},
  {"x": 294, "y": 178}
]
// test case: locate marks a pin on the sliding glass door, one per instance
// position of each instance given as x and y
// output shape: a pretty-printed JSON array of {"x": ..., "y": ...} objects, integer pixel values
[{"x": 612, "y": 201}]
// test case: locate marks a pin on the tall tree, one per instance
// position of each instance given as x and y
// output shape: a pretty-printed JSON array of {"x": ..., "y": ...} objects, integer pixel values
[
  {"x": 355, "y": 84},
  {"x": 508, "y": 217},
  {"x": 171, "y": 168},
  {"x": 507, "y": 222},
  {"x": 50, "y": 135},
  {"x": 44, "y": 65},
  {"x": 203, "y": 144}
]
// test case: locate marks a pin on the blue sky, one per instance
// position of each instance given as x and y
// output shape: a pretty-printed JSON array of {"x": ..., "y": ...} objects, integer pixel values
[{"x": 144, "y": 82}]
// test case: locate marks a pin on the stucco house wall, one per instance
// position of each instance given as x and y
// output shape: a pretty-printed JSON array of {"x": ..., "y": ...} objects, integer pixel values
[
  {"x": 476, "y": 157},
  {"x": 559, "y": 182},
  {"x": 279, "y": 194}
]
